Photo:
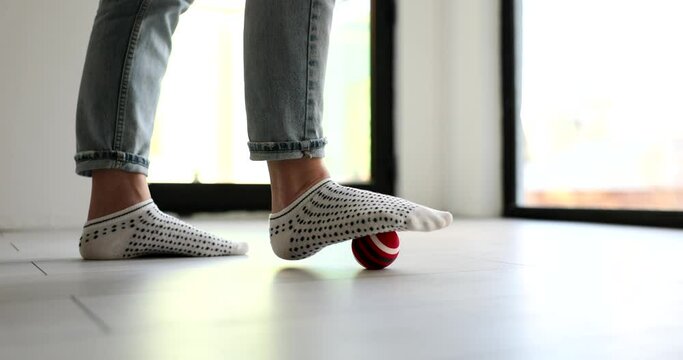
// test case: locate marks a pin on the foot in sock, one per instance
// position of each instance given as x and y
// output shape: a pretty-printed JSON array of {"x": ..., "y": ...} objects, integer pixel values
[
  {"x": 143, "y": 230},
  {"x": 329, "y": 213}
]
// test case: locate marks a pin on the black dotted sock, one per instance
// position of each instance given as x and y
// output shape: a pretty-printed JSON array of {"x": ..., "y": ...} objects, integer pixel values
[
  {"x": 329, "y": 213},
  {"x": 143, "y": 230}
]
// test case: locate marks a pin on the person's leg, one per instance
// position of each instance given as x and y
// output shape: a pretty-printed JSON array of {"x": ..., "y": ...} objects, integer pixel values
[
  {"x": 291, "y": 178},
  {"x": 113, "y": 190},
  {"x": 127, "y": 56},
  {"x": 285, "y": 57}
]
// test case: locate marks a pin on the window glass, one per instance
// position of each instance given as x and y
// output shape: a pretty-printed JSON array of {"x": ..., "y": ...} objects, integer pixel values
[{"x": 601, "y": 119}]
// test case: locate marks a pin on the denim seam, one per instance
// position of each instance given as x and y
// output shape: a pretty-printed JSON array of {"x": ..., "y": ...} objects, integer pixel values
[
  {"x": 125, "y": 76},
  {"x": 112, "y": 155},
  {"x": 280, "y": 151},
  {"x": 287, "y": 146},
  {"x": 309, "y": 55}
]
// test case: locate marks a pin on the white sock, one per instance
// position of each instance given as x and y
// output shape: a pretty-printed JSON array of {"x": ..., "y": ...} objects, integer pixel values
[
  {"x": 143, "y": 229},
  {"x": 329, "y": 213}
]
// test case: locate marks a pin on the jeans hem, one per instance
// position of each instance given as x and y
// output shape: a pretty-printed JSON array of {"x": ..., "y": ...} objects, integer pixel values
[
  {"x": 87, "y": 161},
  {"x": 287, "y": 150}
]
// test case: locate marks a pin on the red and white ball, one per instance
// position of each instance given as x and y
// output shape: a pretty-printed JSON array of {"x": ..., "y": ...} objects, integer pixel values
[{"x": 376, "y": 252}]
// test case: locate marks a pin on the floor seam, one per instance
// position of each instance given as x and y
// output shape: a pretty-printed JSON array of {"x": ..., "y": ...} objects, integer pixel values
[
  {"x": 38, "y": 267},
  {"x": 91, "y": 315}
]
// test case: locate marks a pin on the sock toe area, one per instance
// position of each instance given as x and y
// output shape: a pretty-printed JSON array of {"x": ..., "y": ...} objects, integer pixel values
[
  {"x": 240, "y": 248},
  {"x": 423, "y": 218}
]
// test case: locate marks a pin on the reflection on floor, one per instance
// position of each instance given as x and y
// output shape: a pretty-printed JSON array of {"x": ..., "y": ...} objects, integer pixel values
[{"x": 481, "y": 289}]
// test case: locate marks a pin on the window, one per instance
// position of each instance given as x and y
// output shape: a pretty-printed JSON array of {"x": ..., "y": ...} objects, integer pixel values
[
  {"x": 200, "y": 135},
  {"x": 593, "y": 121}
]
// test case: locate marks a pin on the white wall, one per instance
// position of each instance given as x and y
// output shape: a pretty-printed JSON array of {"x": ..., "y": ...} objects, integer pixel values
[
  {"x": 447, "y": 108},
  {"x": 43, "y": 47},
  {"x": 448, "y": 105}
]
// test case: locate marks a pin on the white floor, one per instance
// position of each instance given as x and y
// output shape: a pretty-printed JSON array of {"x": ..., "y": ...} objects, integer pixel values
[{"x": 496, "y": 289}]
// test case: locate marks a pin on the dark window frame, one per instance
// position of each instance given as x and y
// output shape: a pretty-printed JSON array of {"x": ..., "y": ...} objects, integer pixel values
[
  {"x": 510, "y": 149},
  {"x": 191, "y": 198}
]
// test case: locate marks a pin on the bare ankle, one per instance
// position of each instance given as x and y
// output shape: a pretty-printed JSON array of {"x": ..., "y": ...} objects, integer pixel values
[
  {"x": 291, "y": 178},
  {"x": 114, "y": 190}
]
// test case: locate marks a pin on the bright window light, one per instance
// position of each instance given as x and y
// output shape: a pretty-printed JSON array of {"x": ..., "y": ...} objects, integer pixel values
[
  {"x": 200, "y": 131},
  {"x": 601, "y": 115}
]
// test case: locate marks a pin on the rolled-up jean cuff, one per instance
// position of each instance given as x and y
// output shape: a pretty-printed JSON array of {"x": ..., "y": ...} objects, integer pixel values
[
  {"x": 87, "y": 161},
  {"x": 286, "y": 150}
]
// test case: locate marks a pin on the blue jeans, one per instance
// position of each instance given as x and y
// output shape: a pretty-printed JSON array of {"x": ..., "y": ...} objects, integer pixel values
[{"x": 285, "y": 52}]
